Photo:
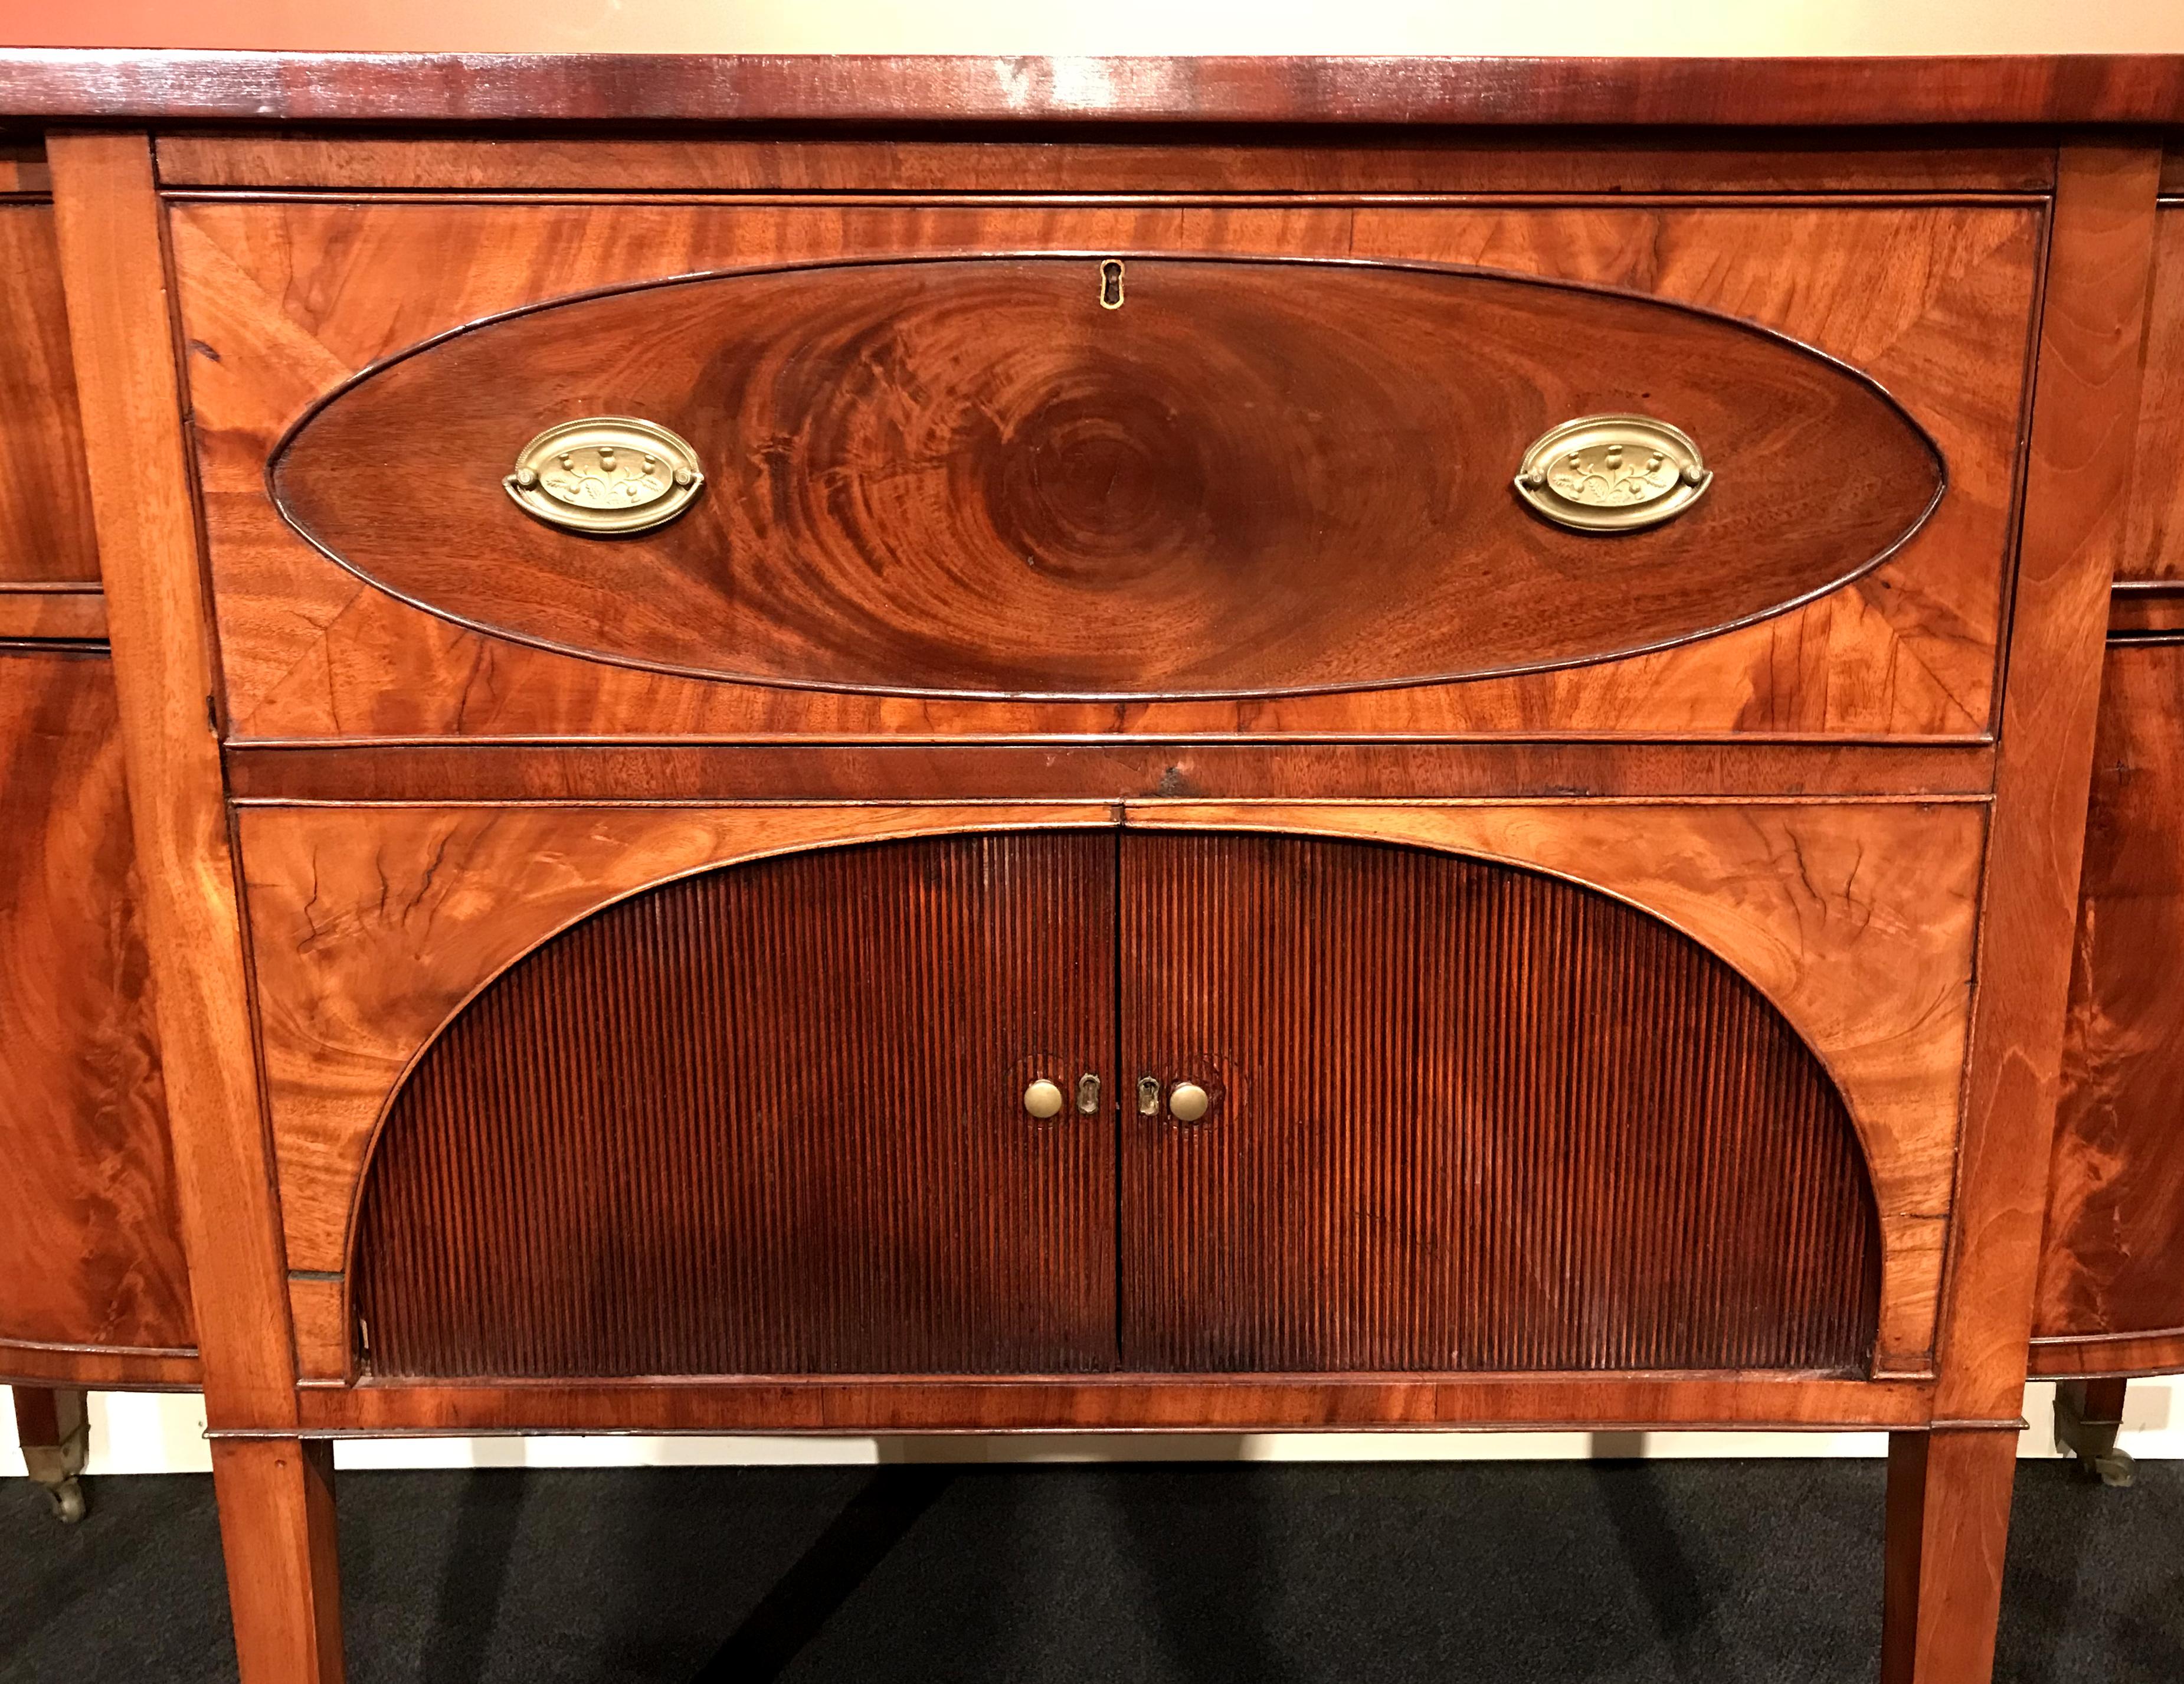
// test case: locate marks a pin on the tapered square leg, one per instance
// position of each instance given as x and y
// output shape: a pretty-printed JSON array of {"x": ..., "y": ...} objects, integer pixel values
[
  {"x": 54, "y": 1431},
  {"x": 1949, "y": 1525},
  {"x": 276, "y": 1528}
]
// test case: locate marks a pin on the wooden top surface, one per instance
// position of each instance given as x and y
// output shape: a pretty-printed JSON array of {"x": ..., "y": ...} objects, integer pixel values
[{"x": 142, "y": 86}]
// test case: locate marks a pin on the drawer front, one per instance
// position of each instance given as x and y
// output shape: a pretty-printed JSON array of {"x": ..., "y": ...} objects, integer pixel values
[
  {"x": 45, "y": 501},
  {"x": 2112, "y": 1286},
  {"x": 2154, "y": 549},
  {"x": 763, "y": 1070},
  {"x": 1157, "y": 469}
]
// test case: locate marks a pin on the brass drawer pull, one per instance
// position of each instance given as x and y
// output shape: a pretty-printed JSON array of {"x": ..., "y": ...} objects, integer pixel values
[
  {"x": 1042, "y": 1100},
  {"x": 606, "y": 475},
  {"x": 1613, "y": 473}
]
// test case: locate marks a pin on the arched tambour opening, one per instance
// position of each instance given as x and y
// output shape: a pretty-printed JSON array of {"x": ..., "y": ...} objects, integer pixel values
[{"x": 1461, "y": 1116}]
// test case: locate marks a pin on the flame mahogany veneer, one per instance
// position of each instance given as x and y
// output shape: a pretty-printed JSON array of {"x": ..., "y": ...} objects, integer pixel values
[{"x": 549, "y": 983}]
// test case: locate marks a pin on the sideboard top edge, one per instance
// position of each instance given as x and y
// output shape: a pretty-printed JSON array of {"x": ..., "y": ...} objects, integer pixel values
[{"x": 148, "y": 86}]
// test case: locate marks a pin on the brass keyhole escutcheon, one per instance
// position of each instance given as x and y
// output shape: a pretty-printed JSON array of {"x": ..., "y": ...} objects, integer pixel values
[
  {"x": 1188, "y": 1102},
  {"x": 1110, "y": 284},
  {"x": 1042, "y": 1100}
]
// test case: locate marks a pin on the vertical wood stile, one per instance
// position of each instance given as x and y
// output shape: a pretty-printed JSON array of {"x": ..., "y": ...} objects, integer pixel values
[
  {"x": 110, "y": 226},
  {"x": 1949, "y": 1528}
]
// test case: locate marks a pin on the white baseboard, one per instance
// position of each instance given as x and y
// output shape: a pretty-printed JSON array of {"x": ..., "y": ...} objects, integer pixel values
[{"x": 154, "y": 1433}]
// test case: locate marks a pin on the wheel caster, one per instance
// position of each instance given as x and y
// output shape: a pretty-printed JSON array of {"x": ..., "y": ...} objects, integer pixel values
[
  {"x": 2088, "y": 1414},
  {"x": 55, "y": 1441},
  {"x": 69, "y": 1506}
]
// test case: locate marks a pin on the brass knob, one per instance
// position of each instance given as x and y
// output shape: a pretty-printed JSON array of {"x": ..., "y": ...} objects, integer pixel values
[
  {"x": 1187, "y": 1101},
  {"x": 1043, "y": 1100}
]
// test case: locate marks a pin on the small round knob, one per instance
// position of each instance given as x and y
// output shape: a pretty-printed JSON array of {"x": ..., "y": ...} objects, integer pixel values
[
  {"x": 1043, "y": 1100},
  {"x": 1187, "y": 1101}
]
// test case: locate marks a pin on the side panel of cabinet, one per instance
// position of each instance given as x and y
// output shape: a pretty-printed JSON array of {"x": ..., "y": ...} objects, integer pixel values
[
  {"x": 1465, "y": 1116},
  {"x": 45, "y": 501},
  {"x": 2112, "y": 1286},
  {"x": 90, "y": 1254}
]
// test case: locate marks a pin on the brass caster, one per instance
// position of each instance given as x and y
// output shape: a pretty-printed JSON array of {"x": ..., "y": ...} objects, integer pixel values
[
  {"x": 2086, "y": 1427},
  {"x": 54, "y": 1466},
  {"x": 69, "y": 1507}
]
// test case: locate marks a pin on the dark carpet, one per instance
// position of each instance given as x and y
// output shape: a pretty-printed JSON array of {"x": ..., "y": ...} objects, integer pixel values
[{"x": 1759, "y": 1572}]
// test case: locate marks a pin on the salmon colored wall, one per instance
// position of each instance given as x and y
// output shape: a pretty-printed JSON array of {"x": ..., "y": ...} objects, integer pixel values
[{"x": 979, "y": 27}]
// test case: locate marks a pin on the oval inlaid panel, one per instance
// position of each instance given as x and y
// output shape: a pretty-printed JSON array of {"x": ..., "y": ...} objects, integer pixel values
[{"x": 1026, "y": 475}]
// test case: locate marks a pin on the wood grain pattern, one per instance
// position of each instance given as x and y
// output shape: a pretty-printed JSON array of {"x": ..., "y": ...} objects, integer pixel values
[
  {"x": 276, "y": 1528},
  {"x": 2085, "y": 405},
  {"x": 23, "y": 168},
  {"x": 1122, "y": 1402},
  {"x": 369, "y": 928},
  {"x": 2153, "y": 541},
  {"x": 769, "y": 1120},
  {"x": 2112, "y": 1263},
  {"x": 372, "y": 926},
  {"x": 99, "y": 1367},
  {"x": 90, "y": 1254},
  {"x": 1430, "y": 1075},
  {"x": 45, "y": 502},
  {"x": 113, "y": 269},
  {"x": 1948, "y": 1524},
  {"x": 779, "y": 769},
  {"x": 76, "y": 615},
  {"x": 2127, "y": 1354},
  {"x": 394, "y": 88},
  {"x": 987, "y": 476},
  {"x": 812, "y": 159},
  {"x": 283, "y": 301},
  {"x": 1855, "y": 922},
  {"x": 325, "y": 1330},
  {"x": 2148, "y": 615}
]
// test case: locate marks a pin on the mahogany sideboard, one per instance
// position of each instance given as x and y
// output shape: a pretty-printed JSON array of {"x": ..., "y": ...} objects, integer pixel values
[{"x": 834, "y": 745}]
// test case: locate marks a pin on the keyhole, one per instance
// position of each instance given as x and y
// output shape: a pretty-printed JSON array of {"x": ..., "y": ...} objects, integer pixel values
[{"x": 1110, "y": 284}]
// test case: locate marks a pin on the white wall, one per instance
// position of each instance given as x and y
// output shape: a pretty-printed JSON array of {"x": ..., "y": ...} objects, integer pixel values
[
  {"x": 982, "y": 26},
  {"x": 136, "y": 1433}
]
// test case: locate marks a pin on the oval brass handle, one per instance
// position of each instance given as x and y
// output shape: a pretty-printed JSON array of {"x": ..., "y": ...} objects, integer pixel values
[
  {"x": 1188, "y": 1102},
  {"x": 1042, "y": 1100},
  {"x": 1613, "y": 473},
  {"x": 606, "y": 475}
]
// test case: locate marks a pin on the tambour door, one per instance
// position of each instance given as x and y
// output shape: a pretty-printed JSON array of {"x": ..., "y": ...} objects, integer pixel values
[
  {"x": 769, "y": 1118},
  {"x": 1400, "y": 1109}
]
